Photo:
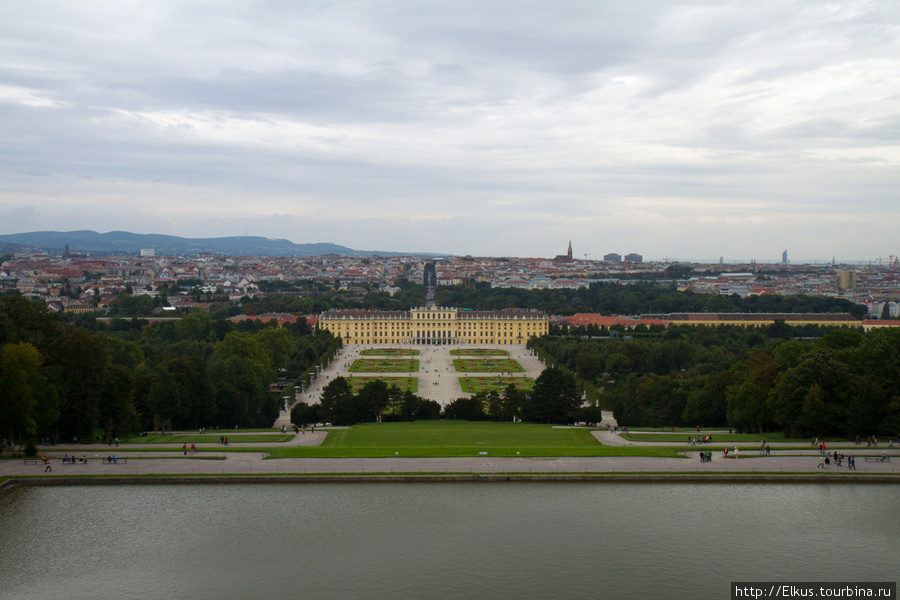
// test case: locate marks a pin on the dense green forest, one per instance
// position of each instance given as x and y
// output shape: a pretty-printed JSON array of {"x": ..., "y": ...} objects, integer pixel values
[
  {"x": 66, "y": 381},
  {"x": 842, "y": 382},
  {"x": 607, "y": 298}
]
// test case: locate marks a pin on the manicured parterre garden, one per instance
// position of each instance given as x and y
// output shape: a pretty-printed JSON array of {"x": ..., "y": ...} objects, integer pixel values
[
  {"x": 487, "y": 365},
  {"x": 384, "y": 365},
  {"x": 479, "y": 352},
  {"x": 476, "y": 385},
  {"x": 405, "y": 384}
]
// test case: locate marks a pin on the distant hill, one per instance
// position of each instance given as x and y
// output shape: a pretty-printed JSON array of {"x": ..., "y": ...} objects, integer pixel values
[{"x": 123, "y": 242}]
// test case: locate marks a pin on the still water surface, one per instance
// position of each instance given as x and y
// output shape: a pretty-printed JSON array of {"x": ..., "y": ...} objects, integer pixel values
[{"x": 440, "y": 541}]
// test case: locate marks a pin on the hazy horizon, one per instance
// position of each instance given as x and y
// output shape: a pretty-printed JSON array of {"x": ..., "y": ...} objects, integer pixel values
[{"x": 671, "y": 129}]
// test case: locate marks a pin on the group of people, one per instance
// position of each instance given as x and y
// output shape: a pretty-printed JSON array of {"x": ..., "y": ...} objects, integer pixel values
[
  {"x": 735, "y": 454},
  {"x": 872, "y": 441},
  {"x": 705, "y": 456},
  {"x": 837, "y": 460},
  {"x": 184, "y": 448},
  {"x": 700, "y": 439},
  {"x": 73, "y": 460}
]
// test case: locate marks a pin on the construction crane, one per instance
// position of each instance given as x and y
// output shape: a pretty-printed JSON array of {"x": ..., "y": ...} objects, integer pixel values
[{"x": 585, "y": 256}]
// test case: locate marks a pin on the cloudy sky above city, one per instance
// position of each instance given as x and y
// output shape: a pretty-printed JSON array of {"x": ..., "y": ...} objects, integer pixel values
[{"x": 672, "y": 129}]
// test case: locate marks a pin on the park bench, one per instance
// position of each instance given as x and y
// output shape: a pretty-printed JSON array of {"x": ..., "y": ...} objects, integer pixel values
[
  {"x": 34, "y": 461},
  {"x": 106, "y": 461},
  {"x": 878, "y": 459}
]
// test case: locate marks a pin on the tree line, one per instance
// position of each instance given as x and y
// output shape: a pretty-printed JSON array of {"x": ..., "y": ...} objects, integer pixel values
[
  {"x": 843, "y": 382},
  {"x": 59, "y": 380}
]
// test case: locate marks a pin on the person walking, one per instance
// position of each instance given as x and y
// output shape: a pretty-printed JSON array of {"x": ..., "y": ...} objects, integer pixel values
[{"x": 47, "y": 469}]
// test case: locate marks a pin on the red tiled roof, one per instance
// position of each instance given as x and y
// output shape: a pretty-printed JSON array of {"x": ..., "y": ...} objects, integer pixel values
[{"x": 585, "y": 319}]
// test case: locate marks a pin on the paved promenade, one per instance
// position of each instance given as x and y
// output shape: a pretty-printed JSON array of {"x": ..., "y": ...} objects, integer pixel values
[
  {"x": 173, "y": 461},
  {"x": 253, "y": 463}
]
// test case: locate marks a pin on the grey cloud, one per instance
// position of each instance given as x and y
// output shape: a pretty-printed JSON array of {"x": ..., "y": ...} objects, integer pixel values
[{"x": 508, "y": 113}]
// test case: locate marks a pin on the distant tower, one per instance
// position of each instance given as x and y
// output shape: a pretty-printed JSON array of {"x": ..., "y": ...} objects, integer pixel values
[
  {"x": 784, "y": 260},
  {"x": 66, "y": 252},
  {"x": 569, "y": 253},
  {"x": 430, "y": 281}
]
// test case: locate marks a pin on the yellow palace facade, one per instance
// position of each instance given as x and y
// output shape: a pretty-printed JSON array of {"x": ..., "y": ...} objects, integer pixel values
[{"x": 435, "y": 325}]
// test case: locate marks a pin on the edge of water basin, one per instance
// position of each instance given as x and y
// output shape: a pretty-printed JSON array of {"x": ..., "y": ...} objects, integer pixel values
[{"x": 12, "y": 482}]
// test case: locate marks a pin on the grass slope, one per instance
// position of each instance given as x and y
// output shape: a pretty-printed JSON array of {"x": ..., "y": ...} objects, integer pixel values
[{"x": 461, "y": 438}]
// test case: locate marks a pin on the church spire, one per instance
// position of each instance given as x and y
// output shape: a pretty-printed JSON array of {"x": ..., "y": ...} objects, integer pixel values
[{"x": 569, "y": 253}]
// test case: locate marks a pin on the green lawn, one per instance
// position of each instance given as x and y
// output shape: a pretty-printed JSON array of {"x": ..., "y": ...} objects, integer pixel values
[
  {"x": 384, "y": 365},
  {"x": 461, "y": 438},
  {"x": 403, "y": 383},
  {"x": 494, "y": 384},
  {"x": 480, "y": 352},
  {"x": 486, "y": 365}
]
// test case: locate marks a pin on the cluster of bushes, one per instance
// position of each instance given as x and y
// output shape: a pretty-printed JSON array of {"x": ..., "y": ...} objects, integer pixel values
[{"x": 376, "y": 401}]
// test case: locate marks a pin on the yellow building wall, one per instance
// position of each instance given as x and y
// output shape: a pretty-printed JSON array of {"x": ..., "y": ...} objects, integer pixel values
[{"x": 426, "y": 325}]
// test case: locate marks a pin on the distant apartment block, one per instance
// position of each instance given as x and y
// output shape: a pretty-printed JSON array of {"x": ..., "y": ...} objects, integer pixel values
[
  {"x": 634, "y": 257},
  {"x": 846, "y": 280},
  {"x": 148, "y": 252},
  {"x": 612, "y": 257}
]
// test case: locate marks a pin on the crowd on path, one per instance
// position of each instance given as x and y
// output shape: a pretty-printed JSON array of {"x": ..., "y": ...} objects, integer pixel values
[{"x": 837, "y": 460}]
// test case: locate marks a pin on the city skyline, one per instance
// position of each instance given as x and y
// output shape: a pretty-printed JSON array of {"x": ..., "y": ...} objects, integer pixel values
[{"x": 673, "y": 130}]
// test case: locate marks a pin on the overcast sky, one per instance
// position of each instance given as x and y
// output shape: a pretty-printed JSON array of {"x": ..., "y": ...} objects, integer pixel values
[{"x": 672, "y": 129}]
